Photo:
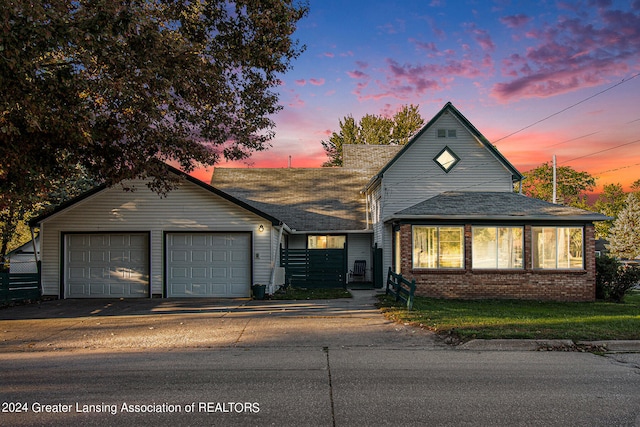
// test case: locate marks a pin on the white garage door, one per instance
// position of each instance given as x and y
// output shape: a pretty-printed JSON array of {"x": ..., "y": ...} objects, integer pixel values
[
  {"x": 208, "y": 265},
  {"x": 106, "y": 265}
]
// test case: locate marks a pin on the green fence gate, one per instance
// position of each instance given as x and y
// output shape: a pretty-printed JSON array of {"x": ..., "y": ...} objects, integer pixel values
[
  {"x": 19, "y": 287},
  {"x": 314, "y": 268}
]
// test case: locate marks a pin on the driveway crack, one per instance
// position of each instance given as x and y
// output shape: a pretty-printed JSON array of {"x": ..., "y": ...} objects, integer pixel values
[{"x": 333, "y": 413}]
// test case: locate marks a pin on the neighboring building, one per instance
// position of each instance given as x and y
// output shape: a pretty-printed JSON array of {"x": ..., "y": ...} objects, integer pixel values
[
  {"x": 23, "y": 259},
  {"x": 441, "y": 209}
]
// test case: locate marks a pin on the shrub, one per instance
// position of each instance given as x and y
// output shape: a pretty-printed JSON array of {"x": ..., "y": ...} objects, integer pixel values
[{"x": 613, "y": 279}]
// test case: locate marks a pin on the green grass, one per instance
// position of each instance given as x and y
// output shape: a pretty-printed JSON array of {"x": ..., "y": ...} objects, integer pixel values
[
  {"x": 490, "y": 319},
  {"x": 311, "y": 293}
]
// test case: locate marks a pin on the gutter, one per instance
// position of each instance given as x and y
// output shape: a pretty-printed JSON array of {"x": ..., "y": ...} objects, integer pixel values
[{"x": 271, "y": 286}]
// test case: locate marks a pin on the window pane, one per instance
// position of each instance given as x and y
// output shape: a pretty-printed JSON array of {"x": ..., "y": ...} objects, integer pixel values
[
  {"x": 317, "y": 242},
  {"x": 326, "y": 242},
  {"x": 560, "y": 247},
  {"x": 336, "y": 242},
  {"x": 570, "y": 248},
  {"x": 484, "y": 247},
  {"x": 451, "y": 244},
  {"x": 544, "y": 247},
  {"x": 510, "y": 247},
  {"x": 576, "y": 248},
  {"x": 425, "y": 241}
]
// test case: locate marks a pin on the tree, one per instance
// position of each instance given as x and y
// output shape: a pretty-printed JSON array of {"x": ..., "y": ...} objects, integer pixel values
[
  {"x": 118, "y": 87},
  {"x": 13, "y": 231},
  {"x": 610, "y": 203},
  {"x": 624, "y": 237},
  {"x": 570, "y": 188},
  {"x": 373, "y": 130}
]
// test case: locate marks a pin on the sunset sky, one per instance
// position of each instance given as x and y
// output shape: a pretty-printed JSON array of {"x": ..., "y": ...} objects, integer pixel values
[{"x": 505, "y": 64}]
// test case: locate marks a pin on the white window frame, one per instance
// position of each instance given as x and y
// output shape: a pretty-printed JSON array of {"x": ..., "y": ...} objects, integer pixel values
[
  {"x": 498, "y": 254},
  {"x": 560, "y": 249},
  {"x": 436, "y": 263}
]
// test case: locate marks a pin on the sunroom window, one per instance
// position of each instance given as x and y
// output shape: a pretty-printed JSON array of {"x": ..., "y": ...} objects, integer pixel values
[
  {"x": 438, "y": 247},
  {"x": 558, "y": 247},
  {"x": 497, "y": 247}
]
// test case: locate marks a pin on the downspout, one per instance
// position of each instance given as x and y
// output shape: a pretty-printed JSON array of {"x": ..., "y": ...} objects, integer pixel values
[
  {"x": 35, "y": 254},
  {"x": 270, "y": 289}
]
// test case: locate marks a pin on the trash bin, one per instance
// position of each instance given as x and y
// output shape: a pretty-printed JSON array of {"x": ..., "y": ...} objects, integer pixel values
[{"x": 258, "y": 291}]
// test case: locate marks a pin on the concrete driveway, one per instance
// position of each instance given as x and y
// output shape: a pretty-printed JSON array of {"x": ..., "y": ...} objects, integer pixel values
[{"x": 202, "y": 323}]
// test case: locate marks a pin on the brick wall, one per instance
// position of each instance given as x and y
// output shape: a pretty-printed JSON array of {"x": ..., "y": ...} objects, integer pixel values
[{"x": 557, "y": 285}]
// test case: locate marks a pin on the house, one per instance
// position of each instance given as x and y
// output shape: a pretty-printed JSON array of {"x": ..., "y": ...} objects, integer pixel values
[
  {"x": 440, "y": 209},
  {"x": 23, "y": 259}
]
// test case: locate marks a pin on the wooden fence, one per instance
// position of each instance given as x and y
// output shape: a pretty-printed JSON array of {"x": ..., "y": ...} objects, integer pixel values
[
  {"x": 19, "y": 287},
  {"x": 401, "y": 288},
  {"x": 314, "y": 268}
]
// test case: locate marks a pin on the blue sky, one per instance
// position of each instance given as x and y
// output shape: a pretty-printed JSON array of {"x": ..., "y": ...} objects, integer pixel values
[{"x": 504, "y": 64}]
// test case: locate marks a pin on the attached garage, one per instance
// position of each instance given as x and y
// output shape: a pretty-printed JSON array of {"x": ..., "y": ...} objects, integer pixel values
[
  {"x": 109, "y": 265},
  {"x": 195, "y": 241},
  {"x": 208, "y": 265}
]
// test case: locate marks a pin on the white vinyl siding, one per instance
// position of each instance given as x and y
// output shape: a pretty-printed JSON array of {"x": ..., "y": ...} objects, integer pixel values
[
  {"x": 415, "y": 177},
  {"x": 359, "y": 248},
  {"x": 187, "y": 208}
]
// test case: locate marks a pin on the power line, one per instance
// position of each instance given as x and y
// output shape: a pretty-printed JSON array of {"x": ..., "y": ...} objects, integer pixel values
[
  {"x": 572, "y": 139},
  {"x": 567, "y": 108},
  {"x": 602, "y": 151}
]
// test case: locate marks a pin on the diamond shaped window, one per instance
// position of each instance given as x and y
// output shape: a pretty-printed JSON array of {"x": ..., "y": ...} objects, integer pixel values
[{"x": 446, "y": 159}]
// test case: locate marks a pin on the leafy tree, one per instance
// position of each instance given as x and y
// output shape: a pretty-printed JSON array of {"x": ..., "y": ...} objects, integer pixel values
[
  {"x": 13, "y": 231},
  {"x": 118, "y": 87},
  {"x": 624, "y": 237},
  {"x": 373, "y": 130},
  {"x": 610, "y": 203},
  {"x": 571, "y": 185}
]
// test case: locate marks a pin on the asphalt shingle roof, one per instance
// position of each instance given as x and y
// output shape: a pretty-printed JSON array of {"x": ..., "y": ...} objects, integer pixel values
[
  {"x": 494, "y": 206},
  {"x": 310, "y": 199}
]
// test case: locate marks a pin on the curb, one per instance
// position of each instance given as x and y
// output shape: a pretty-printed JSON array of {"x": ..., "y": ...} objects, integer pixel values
[{"x": 607, "y": 346}]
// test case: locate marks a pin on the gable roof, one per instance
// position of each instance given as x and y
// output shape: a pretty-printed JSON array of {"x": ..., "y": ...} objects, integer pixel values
[
  {"x": 449, "y": 108},
  {"x": 40, "y": 218},
  {"x": 493, "y": 206}
]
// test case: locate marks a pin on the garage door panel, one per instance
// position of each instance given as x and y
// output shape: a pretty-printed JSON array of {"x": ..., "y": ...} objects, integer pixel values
[
  {"x": 199, "y": 256},
  {"x": 206, "y": 267},
  {"x": 105, "y": 265}
]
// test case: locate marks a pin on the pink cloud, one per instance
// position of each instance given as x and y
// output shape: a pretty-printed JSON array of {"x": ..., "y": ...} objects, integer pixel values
[
  {"x": 572, "y": 54},
  {"x": 329, "y": 54},
  {"x": 483, "y": 38},
  {"x": 301, "y": 82},
  {"x": 515, "y": 21},
  {"x": 316, "y": 82},
  {"x": 393, "y": 28},
  {"x": 296, "y": 102},
  {"x": 356, "y": 74}
]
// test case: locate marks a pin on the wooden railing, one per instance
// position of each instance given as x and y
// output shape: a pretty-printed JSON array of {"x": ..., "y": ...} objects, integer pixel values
[{"x": 402, "y": 289}]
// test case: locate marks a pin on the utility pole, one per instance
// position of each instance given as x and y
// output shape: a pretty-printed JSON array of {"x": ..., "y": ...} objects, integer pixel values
[{"x": 554, "y": 179}]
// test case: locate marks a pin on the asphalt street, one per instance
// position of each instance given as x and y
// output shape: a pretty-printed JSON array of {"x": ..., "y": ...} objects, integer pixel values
[{"x": 320, "y": 363}]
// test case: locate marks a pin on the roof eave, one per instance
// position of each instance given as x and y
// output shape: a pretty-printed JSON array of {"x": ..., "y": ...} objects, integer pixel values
[
  {"x": 567, "y": 218},
  {"x": 274, "y": 221}
]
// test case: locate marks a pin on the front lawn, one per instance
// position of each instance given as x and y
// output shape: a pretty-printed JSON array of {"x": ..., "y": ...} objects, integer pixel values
[
  {"x": 310, "y": 293},
  {"x": 492, "y": 319}
]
